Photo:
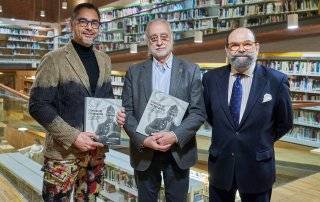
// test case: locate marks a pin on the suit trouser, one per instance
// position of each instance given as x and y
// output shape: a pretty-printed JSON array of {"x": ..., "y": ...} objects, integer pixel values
[
  {"x": 176, "y": 180},
  {"x": 84, "y": 175},
  {"x": 220, "y": 195}
]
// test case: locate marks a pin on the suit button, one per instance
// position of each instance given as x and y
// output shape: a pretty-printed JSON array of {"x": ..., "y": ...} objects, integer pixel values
[
  {"x": 232, "y": 154},
  {"x": 237, "y": 133}
]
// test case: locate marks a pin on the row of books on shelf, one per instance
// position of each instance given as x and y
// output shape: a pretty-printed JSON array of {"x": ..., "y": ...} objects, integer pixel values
[
  {"x": 117, "y": 90},
  {"x": 241, "y": 2},
  {"x": 267, "y": 8},
  {"x": 118, "y": 13},
  {"x": 295, "y": 67},
  {"x": 34, "y": 32},
  {"x": 110, "y": 37},
  {"x": 287, "y": 5},
  {"x": 300, "y": 5},
  {"x": 138, "y": 24},
  {"x": 161, "y": 6},
  {"x": 121, "y": 177},
  {"x": 304, "y": 97},
  {"x": 304, "y": 84},
  {"x": 184, "y": 5},
  {"x": 117, "y": 79},
  {"x": 110, "y": 46},
  {"x": 258, "y": 9},
  {"x": 23, "y": 39},
  {"x": 307, "y": 116},
  {"x": 15, "y": 45},
  {"x": 108, "y": 15},
  {"x": 305, "y": 133}
]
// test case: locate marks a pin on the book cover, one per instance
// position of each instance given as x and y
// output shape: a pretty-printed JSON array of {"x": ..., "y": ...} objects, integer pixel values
[
  {"x": 163, "y": 113},
  {"x": 100, "y": 118}
]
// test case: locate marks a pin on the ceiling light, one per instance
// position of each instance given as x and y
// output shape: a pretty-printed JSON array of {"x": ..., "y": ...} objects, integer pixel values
[
  {"x": 22, "y": 129},
  {"x": 42, "y": 14},
  {"x": 293, "y": 21},
  {"x": 64, "y": 5}
]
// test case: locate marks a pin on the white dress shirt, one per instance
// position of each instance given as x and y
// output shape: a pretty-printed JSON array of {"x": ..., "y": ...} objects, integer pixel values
[{"x": 246, "y": 81}]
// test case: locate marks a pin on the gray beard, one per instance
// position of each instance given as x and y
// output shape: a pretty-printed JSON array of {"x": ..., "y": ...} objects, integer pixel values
[
  {"x": 164, "y": 53},
  {"x": 240, "y": 63}
]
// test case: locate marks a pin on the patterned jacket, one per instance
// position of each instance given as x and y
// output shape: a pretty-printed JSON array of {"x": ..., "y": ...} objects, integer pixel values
[{"x": 57, "y": 98}]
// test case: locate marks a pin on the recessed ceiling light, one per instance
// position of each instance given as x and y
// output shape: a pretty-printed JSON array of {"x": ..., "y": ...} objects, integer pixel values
[
  {"x": 22, "y": 129},
  {"x": 42, "y": 14},
  {"x": 64, "y": 5}
]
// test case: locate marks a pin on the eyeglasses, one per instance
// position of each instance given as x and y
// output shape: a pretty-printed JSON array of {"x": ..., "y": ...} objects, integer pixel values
[
  {"x": 95, "y": 24},
  {"x": 163, "y": 37},
  {"x": 247, "y": 45}
]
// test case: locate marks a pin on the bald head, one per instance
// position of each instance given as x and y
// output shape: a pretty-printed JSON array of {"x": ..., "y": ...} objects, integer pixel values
[{"x": 241, "y": 34}]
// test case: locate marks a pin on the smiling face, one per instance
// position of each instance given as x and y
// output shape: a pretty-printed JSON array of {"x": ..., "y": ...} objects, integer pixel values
[
  {"x": 242, "y": 49},
  {"x": 160, "y": 41},
  {"x": 84, "y": 27}
]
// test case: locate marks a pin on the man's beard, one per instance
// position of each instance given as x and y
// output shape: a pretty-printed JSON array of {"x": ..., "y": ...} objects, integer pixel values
[
  {"x": 162, "y": 53},
  {"x": 242, "y": 61}
]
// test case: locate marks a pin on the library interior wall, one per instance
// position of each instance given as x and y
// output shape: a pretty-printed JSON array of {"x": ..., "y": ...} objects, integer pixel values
[{"x": 307, "y": 44}]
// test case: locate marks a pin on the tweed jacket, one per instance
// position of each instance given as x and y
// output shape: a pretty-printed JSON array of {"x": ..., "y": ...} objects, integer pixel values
[{"x": 57, "y": 98}]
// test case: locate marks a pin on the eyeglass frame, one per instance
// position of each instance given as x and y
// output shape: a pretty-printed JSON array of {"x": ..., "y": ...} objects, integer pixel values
[
  {"x": 164, "y": 37},
  {"x": 87, "y": 23},
  {"x": 242, "y": 43}
]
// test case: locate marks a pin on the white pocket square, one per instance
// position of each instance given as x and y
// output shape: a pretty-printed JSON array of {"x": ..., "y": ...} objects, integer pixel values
[{"x": 266, "y": 98}]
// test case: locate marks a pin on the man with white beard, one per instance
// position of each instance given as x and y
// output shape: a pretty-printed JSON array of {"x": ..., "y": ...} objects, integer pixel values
[
  {"x": 249, "y": 108},
  {"x": 171, "y": 153}
]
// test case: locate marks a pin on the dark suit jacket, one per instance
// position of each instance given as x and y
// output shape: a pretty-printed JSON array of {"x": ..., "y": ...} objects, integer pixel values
[
  {"x": 57, "y": 98},
  {"x": 246, "y": 151},
  {"x": 185, "y": 84}
]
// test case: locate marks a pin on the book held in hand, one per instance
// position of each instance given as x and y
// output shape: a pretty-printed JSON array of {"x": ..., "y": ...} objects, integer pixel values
[
  {"x": 163, "y": 113},
  {"x": 100, "y": 118}
]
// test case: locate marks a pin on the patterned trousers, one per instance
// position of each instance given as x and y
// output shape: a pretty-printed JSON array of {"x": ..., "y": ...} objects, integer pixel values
[{"x": 83, "y": 175}]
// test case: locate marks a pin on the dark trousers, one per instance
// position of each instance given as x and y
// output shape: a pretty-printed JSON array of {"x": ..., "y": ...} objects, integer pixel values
[
  {"x": 220, "y": 195},
  {"x": 176, "y": 180}
]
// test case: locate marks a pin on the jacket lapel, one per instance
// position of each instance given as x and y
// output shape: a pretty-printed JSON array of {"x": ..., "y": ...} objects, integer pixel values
[
  {"x": 223, "y": 84},
  {"x": 257, "y": 87},
  {"x": 102, "y": 68},
  {"x": 77, "y": 65},
  {"x": 146, "y": 78},
  {"x": 175, "y": 79}
]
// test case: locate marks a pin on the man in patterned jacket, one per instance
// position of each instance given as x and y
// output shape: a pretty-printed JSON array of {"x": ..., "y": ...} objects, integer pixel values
[{"x": 64, "y": 78}]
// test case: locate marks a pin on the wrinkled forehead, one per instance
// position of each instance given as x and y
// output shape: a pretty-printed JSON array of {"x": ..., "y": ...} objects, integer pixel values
[{"x": 240, "y": 35}]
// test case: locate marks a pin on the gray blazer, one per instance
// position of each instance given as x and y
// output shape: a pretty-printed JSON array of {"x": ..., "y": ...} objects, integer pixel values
[{"x": 185, "y": 84}]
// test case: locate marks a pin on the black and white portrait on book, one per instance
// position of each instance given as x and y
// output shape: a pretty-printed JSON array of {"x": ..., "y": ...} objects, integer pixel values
[
  {"x": 163, "y": 113},
  {"x": 100, "y": 116}
]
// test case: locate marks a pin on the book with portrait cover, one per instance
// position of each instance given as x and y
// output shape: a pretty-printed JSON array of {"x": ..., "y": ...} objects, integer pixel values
[
  {"x": 100, "y": 118},
  {"x": 162, "y": 113}
]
